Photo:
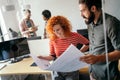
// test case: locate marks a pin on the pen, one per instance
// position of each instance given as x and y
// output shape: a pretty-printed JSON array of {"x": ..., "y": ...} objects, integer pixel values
[{"x": 3, "y": 67}]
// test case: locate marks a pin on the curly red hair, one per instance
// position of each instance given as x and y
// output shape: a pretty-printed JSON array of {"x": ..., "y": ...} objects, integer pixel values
[{"x": 62, "y": 21}]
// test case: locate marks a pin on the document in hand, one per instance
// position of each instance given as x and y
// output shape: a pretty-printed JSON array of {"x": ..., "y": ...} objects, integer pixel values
[{"x": 67, "y": 62}]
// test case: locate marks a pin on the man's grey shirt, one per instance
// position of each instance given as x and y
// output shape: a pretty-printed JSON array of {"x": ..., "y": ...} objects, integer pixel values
[{"x": 97, "y": 44}]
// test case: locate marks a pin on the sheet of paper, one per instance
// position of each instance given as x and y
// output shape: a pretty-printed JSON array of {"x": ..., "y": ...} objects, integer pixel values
[
  {"x": 67, "y": 62},
  {"x": 41, "y": 63}
]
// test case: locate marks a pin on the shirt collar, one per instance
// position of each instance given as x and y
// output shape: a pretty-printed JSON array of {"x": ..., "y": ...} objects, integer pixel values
[{"x": 100, "y": 21}]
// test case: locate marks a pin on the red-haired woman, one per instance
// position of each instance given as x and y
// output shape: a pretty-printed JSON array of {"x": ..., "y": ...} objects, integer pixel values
[{"x": 61, "y": 36}]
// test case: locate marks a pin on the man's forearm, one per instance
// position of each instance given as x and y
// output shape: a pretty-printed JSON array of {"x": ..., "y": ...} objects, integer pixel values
[{"x": 112, "y": 56}]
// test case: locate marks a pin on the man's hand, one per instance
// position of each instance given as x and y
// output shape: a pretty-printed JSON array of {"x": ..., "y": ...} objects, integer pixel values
[
  {"x": 90, "y": 59},
  {"x": 33, "y": 29}
]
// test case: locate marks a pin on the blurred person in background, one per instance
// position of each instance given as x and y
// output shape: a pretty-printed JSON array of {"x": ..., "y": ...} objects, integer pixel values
[
  {"x": 46, "y": 15},
  {"x": 27, "y": 26}
]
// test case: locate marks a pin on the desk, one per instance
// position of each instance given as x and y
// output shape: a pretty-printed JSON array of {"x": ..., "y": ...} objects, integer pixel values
[{"x": 22, "y": 67}]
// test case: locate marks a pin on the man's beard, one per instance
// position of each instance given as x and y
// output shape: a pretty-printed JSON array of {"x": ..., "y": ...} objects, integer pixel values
[{"x": 90, "y": 19}]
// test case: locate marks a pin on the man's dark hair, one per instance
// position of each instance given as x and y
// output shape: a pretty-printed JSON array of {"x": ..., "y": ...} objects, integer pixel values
[
  {"x": 27, "y": 10},
  {"x": 46, "y": 13},
  {"x": 90, "y": 3}
]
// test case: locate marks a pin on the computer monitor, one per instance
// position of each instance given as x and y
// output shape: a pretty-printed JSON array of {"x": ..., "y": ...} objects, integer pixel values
[
  {"x": 15, "y": 49},
  {"x": 83, "y": 32}
]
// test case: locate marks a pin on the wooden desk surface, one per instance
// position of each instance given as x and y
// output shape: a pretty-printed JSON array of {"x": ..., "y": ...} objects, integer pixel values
[{"x": 22, "y": 67}]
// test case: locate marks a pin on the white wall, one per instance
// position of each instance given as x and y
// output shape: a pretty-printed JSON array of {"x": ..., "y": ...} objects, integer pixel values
[
  {"x": 113, "y": 7},
  {"x": 8, "y": 18},
  {"x": 68, "y": 8}
]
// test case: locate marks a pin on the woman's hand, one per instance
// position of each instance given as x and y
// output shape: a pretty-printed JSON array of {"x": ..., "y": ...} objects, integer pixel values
[
  {"x": 46, "y": 57},
  {"x": 41, "y": 57}
]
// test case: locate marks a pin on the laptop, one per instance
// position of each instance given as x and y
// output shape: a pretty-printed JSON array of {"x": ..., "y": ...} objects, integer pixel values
[{"x": 39, "y": 47}]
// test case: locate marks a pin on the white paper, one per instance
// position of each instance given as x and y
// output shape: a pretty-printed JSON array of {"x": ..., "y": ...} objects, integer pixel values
[
  {"x": 43, "y": 64},
  {"x": 67, "y": 62}
]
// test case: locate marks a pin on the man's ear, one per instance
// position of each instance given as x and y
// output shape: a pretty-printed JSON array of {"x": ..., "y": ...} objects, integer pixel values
[{"x": 93, "y": 8}]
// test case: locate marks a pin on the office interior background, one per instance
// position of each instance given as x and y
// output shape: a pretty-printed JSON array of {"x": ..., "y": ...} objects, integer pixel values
[{"x": 11, "y": 13}]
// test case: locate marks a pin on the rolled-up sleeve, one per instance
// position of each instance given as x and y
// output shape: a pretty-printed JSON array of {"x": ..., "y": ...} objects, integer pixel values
[{"x": 114, "y": 32}]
